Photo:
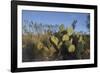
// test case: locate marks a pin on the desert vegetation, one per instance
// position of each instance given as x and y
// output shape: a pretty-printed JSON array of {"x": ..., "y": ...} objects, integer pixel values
[{"x": 54, "y": 42}]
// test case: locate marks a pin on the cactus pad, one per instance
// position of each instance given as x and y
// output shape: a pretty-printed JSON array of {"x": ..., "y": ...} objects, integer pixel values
[
  {"x": 54, "y": 40},
  {"x": 70, "y": 30},
  {"x": 71, "y": 48},
  {"x": 65, "y": 37}
]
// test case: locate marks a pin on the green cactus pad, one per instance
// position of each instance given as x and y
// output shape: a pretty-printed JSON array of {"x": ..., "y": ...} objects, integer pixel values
[
  {"x": 59, "y": 45},
  {"x": 54, "y": 40},
  {"x": 70, "y": 30},
  {"x": 65, "y": 37},
  {"x": 71, "y": 48}
]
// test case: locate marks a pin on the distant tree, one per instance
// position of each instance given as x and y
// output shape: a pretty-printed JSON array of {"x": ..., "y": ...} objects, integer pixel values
[
  {"x": 74, "y": 24},
  {"x": 88, "y": 22}
]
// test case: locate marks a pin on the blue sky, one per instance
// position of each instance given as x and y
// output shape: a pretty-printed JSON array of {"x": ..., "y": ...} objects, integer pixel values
[{"x": 53, "y": 18}]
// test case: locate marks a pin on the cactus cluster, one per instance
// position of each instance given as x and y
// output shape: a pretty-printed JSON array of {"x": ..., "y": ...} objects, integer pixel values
[{"x": 64, "y": 44}]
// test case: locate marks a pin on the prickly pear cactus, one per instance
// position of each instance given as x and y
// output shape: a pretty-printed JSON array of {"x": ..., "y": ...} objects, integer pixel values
[
  {"x": 54, "y": 40},
  {"x": 71, "y": 48},
  {"x": 59, "y": 45},
  {"x": 65, "y": 37},
  {"x": 70, "y": 30},
  {"x": 67, "y": 43}
]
